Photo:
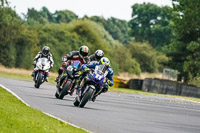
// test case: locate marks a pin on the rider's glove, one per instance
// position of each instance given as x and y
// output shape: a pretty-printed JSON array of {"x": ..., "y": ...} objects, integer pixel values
[
  {"x": 64, "y": 64},
  {"x": 86, "y": 69},
  {"x": 109, "y": 82},
  {"x": 79, "y": 72}
]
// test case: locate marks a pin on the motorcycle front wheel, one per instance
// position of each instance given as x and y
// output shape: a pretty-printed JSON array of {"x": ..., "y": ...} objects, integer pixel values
[
  {"x": 38, "y": 82},
  {"x": 86, "y": 97},
  {"x": 65, "y": 89}
]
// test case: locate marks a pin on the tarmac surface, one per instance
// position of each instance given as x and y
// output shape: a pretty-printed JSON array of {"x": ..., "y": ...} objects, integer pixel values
[{"x": 113, "y": 112}]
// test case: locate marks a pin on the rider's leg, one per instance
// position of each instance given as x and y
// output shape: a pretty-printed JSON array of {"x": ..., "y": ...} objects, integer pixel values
[
  {"x": 105, "y": 89},
  {"x": 47, "y": 76},
  {"x": 33, "y": 73},
  {"x": 60, "y": 70},
  {"x": 78, "y": 82}
]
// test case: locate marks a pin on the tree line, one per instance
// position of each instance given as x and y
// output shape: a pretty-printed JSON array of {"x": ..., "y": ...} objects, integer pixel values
[{"x": 155, "y": 37}]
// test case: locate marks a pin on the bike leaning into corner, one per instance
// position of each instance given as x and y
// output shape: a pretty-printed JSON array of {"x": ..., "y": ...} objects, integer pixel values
[
  {"x": 41, "y": 71},
  {"x": 92, "y": 85},
  {"x": 68, "y": 79}
]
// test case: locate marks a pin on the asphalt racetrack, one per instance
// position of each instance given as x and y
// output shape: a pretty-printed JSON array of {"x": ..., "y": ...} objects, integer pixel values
[{"x": 113, "y": 112}]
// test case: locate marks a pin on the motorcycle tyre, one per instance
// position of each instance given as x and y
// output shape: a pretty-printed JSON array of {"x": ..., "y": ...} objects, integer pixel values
[
  {"x": 39, "y": 81},
  {"x": 64, "y": 91},
  {"x": 86, "y": 97}
]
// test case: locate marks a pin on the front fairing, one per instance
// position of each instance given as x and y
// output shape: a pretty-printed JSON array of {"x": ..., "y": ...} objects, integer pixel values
[
  {"x": 72, "y": 70},
  {"x": 98, "y": 76},
  {"x": 43, "y": 64}
]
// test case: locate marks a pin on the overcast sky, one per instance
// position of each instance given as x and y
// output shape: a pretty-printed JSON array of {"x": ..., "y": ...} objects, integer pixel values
[{"x": 120, "y": 9}]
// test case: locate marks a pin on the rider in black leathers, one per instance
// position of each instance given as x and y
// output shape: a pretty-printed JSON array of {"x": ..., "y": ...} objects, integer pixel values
[
  {"x": 41, "y": 54},
  {"x": 81, "y": 55}
]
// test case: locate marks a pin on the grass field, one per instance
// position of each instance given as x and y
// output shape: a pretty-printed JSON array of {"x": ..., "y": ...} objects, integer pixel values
[{"x": 16, "y": 117}]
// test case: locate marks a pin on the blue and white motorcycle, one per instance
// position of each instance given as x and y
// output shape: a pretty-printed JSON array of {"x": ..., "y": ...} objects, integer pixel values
[{"x": 92, "y": 85}]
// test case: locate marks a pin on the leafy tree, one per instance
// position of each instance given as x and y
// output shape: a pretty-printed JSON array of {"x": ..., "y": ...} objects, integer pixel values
[
  {"x": 184, "y": 50},
  {"x": 45, "y": 13},
  {"x": 2, "y": 2},
  {"x": 125, "y": 61},
  {"x": 10, "y": 27},
  {"x": 65, "y": 16},
  {"x": 26, "y": 48},
  {"x": 117, "y": 28},
  {"x": 151, "y": 23},
  {"x": 35, "y": 17},
  {"x": 149, "y": 59}
]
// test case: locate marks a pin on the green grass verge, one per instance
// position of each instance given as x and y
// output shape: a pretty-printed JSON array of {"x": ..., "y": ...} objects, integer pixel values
[
  {"x": 124, "y": 90},
  {"x": 23, "y": 76},
  {"x": 16, "y": 117}
]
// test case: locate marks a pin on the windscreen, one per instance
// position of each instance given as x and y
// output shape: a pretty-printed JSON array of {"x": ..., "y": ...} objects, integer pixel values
[
  {"x": 101, "y": 69},
  {"x": 76, "y": 64},
  {"x": 43, "y": 61}
]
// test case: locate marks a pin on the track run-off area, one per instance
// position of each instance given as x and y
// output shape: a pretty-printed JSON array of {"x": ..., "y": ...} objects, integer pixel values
[{"x": 113, "y": 112}]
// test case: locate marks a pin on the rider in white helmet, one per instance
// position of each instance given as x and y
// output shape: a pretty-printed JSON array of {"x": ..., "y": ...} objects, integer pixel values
[{"x": 96, "y": 56}]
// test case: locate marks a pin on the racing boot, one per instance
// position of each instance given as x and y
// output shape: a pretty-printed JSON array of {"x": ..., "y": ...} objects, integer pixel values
[
  {"x": 56, "y": 80},
  {"x": 33, "y": 75},
  {"x": 47, "y": 77},
  {"x": 77, "y": 86}
]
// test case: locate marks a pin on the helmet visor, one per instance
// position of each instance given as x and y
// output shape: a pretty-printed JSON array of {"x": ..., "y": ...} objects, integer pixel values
[
  {"x": 83, "y": 53},
  {"x": 45, "y": 52}
]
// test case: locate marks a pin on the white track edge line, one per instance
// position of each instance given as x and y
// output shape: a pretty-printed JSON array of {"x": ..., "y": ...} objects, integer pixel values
[{"x": 41, "y": 111}]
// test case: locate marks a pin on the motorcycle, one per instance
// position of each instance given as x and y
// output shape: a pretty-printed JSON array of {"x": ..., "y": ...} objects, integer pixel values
[
  {"x": 41, "y": 71},
  {"x": 92, "y": 85},
  {"x": 68, "y": 80}
]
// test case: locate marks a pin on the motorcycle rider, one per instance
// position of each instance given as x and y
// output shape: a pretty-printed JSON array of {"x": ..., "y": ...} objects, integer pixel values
[
  {"x": 81, "y": 55},
  {"x": 45, "y": 53},
  {"x": 94, "y": 57},
  {"x": 106, "y": 62},
  {"x": 97, "y": 55}
]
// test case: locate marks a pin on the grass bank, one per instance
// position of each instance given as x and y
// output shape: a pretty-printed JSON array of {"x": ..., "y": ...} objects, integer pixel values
[
  {"x": 19, "y": 118},
  {"x": 125, "y": 90}
]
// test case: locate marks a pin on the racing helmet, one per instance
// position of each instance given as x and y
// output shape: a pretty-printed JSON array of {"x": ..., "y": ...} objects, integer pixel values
[
  {"x": 99, "y": 54},
  {"x": 83, "y": 51},
  {"x": 104, "y": 60},
  {"x": 45, "y": 50}
]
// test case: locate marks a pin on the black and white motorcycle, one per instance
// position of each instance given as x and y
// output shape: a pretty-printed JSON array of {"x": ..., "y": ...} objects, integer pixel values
[{"x": 41, "y": 71}]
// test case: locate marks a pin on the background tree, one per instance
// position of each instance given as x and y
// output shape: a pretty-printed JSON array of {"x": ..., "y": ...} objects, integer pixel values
[
  {"x": 20, "y": 40},
  {"x": 149, "y": 59},
  {"x": 184, "y": 50},
  {"x": 35, "y": 17},
  {"x": 150, "y": 23},
  {"x": 64, "y": 16},
  {"x": 117, "y": 28},
  {"x": 3, "y": 2},
  {"x": 9, "y": 33}
]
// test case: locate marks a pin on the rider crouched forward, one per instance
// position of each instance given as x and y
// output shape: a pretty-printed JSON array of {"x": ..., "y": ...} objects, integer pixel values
[
  {"x": 81, "y": 55},
  {"x": 105, "y": 61},
  {"x": 45, "y": 53}
]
